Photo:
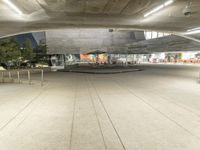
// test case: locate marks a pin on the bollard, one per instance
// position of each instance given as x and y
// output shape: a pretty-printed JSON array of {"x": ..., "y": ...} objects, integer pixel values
[
  {"x": 9, "y": 75},
  {"x": 2, "y": 75},
  {"x": 18, "y": 76},
  {"x": 29, "y": 77},
  {"x": 42, "y": 77}
]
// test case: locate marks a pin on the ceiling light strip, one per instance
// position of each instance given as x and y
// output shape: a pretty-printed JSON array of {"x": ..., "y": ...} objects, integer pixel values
[
  {"x": 12, "y": 6},
  {"x": 193, "y": 32},
  {"x": 169, "y": 2},
  {"x": 194, "y": 29}
]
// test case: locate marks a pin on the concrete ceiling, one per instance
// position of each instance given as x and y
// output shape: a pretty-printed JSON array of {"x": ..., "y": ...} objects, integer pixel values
[
  {"x": 75, "y": 41},
  {"x": 163, "y": 44},
  {"x": 123, "y": 14}
]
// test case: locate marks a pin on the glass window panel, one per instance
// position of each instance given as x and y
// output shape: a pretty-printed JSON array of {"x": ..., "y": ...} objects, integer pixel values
[
  {"x": 148, "y": 35},
  {"x": 160, "y": 34},
  {"x": 154, "y": 35},
  {"x": 166, "y": 34}
]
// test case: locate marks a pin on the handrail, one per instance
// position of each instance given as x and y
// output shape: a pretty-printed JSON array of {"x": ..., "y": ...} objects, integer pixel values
[{"x": 9, "y": 74}]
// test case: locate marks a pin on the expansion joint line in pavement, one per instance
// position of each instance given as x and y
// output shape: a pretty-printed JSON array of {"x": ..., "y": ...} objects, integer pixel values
[
  {"x": 155, "y": 109},
  {"x": 73, "y": 116},
  {"x": 102, "y": 104},
  {"x": 95, "y": 111},
  {"x": 21, "y": 110},
  {"x": 169, "y": 97}
]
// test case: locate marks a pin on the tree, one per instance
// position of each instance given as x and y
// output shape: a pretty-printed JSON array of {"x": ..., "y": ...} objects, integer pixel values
[
  {"x": 41, "y": 56},
  {"x": 9, "y": 50},
  {"x": 27, "y": 51}
]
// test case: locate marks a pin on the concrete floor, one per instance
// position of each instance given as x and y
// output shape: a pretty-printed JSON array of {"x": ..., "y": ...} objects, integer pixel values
[{"x": 155, "y": 109}]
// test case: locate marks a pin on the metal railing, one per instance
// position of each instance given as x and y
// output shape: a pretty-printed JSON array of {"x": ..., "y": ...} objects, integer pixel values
[{"x": 13, "y": 76}]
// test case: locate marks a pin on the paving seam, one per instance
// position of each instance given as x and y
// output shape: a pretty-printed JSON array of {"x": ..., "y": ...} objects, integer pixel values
[
  {"x": 26, "y": 117},
  {"x": 166, "y": 97},
  {"x": 18, "y": 89},
  {"x": 21, "y": 111},
  {"x": 7, "y": 99},
  {"x": 102, "y": 104},
  {"x": 73, "y": 116},
  {"x": 155, "y": 109},
  {"x": 95, "y": 111}
]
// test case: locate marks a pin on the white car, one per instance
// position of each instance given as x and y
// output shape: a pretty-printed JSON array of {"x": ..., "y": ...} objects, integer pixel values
[{"x": 41, "y": 65}]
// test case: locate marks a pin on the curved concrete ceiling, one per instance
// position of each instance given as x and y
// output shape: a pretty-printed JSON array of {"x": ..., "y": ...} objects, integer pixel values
[
  {"x": 75, "y": 41},
  {"x": 164, "y": 44},
  {"x": 127, "y": 14}
]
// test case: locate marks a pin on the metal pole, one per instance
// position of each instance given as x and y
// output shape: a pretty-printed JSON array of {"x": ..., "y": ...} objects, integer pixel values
[
  {"x": 42, "y": 77},
  {"x": 18, "y": 77},
  {"x": 9, "y": 74},
  {"x": 29, "y": 77},
  {"x": 2, "y": 75}
]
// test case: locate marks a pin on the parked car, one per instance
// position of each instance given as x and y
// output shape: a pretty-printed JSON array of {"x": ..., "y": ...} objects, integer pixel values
[{"x": 39, "y": 65}]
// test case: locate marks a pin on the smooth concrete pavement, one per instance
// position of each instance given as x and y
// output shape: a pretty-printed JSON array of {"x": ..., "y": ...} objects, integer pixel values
[{"x": 154, "y": 109}]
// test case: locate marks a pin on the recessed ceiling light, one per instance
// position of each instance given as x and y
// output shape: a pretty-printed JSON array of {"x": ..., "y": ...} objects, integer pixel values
[
  {"x": 167, "y": 3},
  {"x": 193, "y": 31},
  {"x": 12, "y": 6}
]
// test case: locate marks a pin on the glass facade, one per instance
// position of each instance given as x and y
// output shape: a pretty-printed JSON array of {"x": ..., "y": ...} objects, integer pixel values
[{"x": 154, "y": 34}]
